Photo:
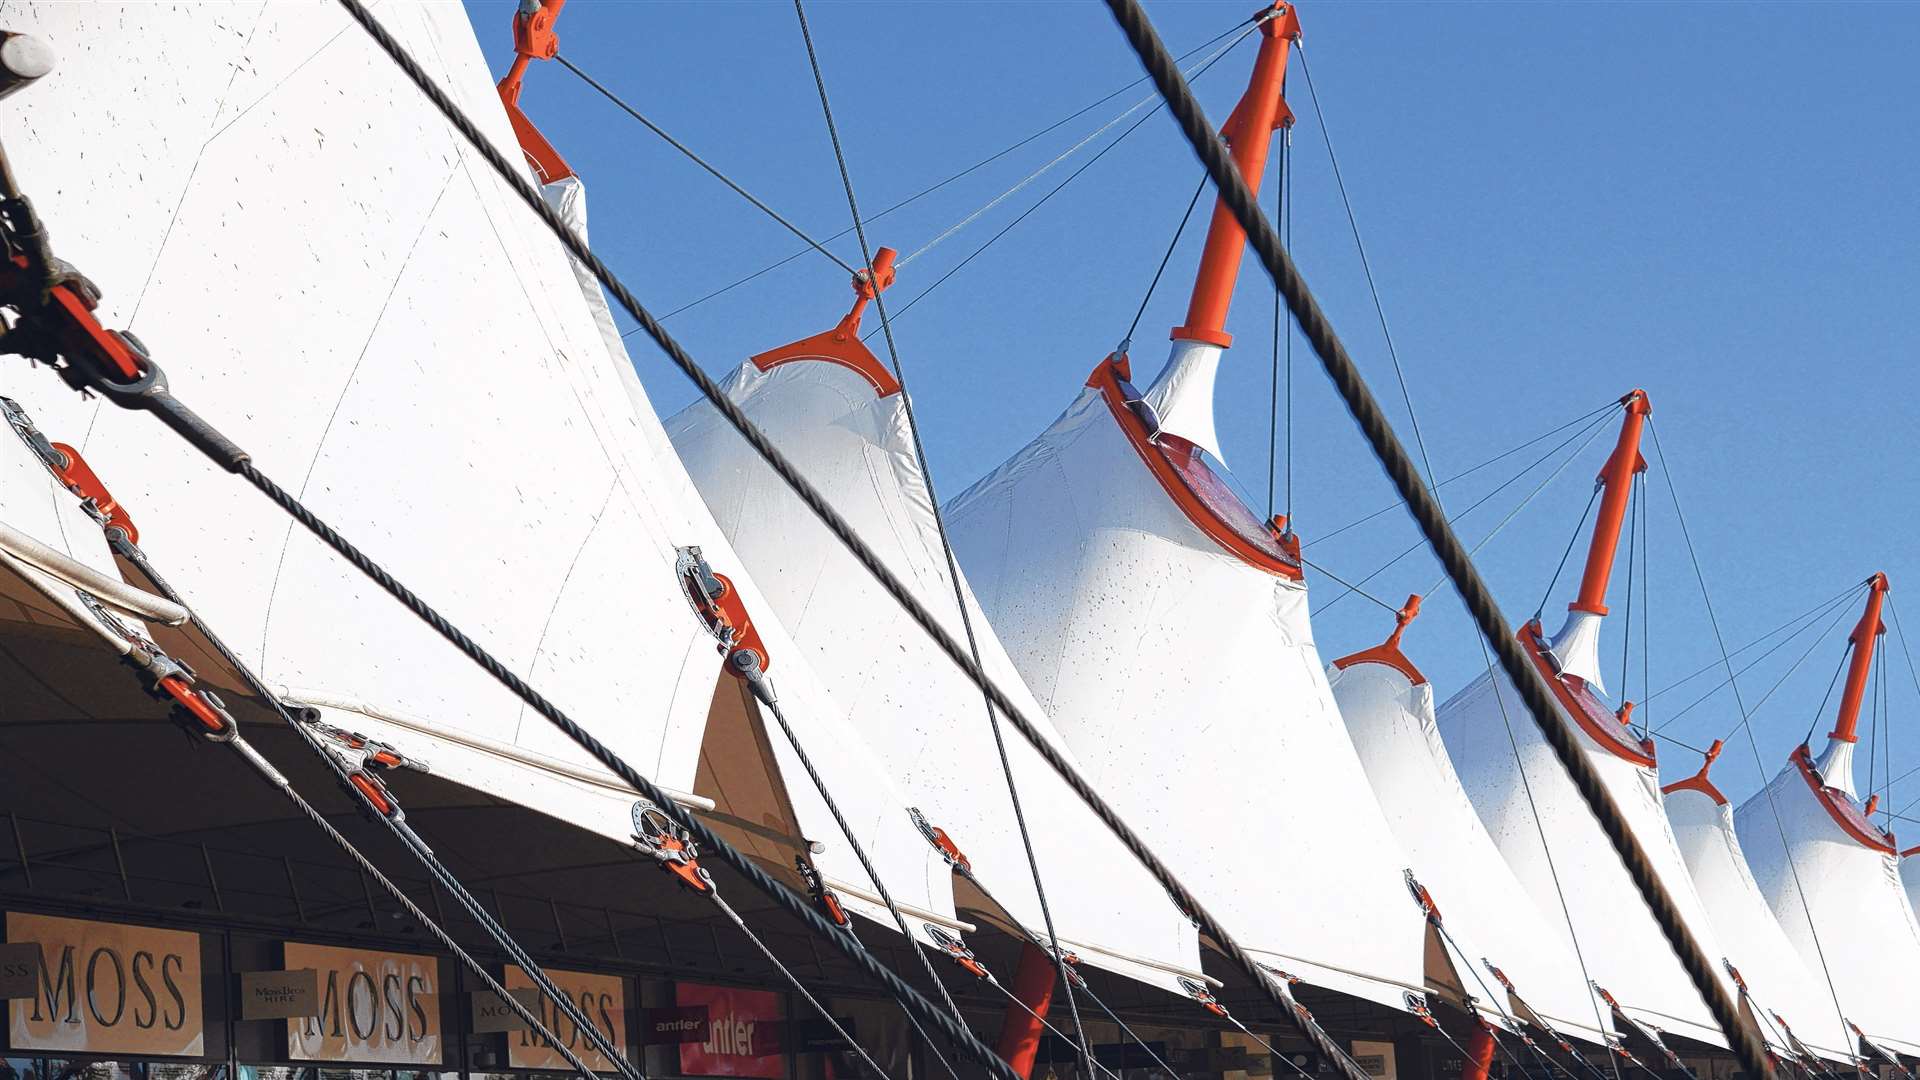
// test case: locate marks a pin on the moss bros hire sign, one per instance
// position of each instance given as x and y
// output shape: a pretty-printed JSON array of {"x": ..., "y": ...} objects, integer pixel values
[
  {"x": 108, "y": 988},
  {"x": 372, "y": 1007}
]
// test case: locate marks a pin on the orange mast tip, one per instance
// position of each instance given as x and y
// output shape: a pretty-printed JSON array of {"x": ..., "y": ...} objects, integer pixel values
[
  {"x": 1249, "y": 133},
  {"x": 1698, "y": 781},
  {"x": 1860, "y": 664},
  {"x": 533, "y": 39},
  {"x": 1617, "y": 477},
  {"x": 842, "y": 345},
  {"x": 1388, "y": 652}
]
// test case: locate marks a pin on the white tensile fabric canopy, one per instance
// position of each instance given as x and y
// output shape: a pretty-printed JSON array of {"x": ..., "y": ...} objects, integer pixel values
[
  {"x": 1145, "y": 608},
  {"x": 1555, "y": 848},
  {"x": 1767, "y": 960},
  {"x": 333, "y": 278},
  {"x": 1910, "y": 877},
  {"x": 1856, "y": 916},
  {"x": 846, "y": 429},
  {"x": 1390, "y": 716}
]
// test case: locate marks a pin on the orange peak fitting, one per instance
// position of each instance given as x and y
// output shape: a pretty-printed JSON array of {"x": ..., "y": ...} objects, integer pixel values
[
  {"x": 1860, "y": 665},
  {"x": 842, "y": 345},
  {"x": 1388, "y": 652},
  {"x": 533, "y": 39},
  {"x": 1617, "y": 477},
  {"x": 1249, "y": 133}
]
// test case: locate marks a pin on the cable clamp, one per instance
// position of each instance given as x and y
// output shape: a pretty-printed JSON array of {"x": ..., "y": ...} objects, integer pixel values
[
  {"x": 359, "y": 760},
  {"x": 1417, "y": 1005},
  {"x": 717, "y": 604},
  {"x": 369, "y": 753},
  {"x": 958, "y": 952},
  {"x": 1070, "y": 966},
  {"x": 941, "y": 842},
  {"x": 658, "y": 835},
  {"x": 823, "y": 897},
  {"x": 1204, "y": 996},
  {"x": 201, "y": 712},
  {"x": 1422, "y": 897}
]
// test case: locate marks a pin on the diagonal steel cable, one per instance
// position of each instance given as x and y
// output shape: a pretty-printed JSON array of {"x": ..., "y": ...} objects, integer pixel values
[{"x": 1393, "y": 457}]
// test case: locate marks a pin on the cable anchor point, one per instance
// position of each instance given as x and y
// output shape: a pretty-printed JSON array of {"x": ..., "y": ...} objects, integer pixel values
[{"x": 656, "y": 834}]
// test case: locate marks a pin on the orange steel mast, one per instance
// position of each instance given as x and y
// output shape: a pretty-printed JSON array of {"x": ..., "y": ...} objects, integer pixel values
[
  {"x": 1249, "y": 133},
  {"x": 1865, "y": 633},
  {"x": 1617, "y": 475}
]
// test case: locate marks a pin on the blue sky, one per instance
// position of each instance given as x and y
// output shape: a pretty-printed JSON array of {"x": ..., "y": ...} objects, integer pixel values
[{"x": 1560, "y": 203}]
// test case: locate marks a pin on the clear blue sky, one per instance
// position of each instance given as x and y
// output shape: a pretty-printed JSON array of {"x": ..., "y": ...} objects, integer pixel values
[{"x": 1711, "y": 201}]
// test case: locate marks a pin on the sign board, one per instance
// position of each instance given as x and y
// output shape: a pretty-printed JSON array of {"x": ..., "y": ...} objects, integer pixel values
[
  {"x": 277, "y": 995},
  {"x": 377, "y": 1007},
  {"x": 491, "y": 1014},
  {"x": 19, "y": 970},
  {"x": 679, "y": 1024},
  {"x": 602, "y": 999},
  {"x": 743, "y": 1033},
  {"x": 107, "y": 988},
  {"x": 1374, "y": 1058}
]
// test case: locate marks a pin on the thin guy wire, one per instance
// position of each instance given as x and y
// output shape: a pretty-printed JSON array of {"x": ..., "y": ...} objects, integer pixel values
[
  {"x": 1499, "y": 526},
  {"x": 1126, "y": 340},
  {"x": 764, "y": 694},
  {"x": 703, "y": 163},
  {"x": 1592, "y": 432},
  {"x": 1043, "y": 200},
  {"x": 1464, "y": 473},
  {"x": 1351, "y": 587},
  {"x": 1693, "y": 556},
  {"x": 1811, "y": 613},
  {"x": 946, "y": 547},
  {"x": 1838, "y": 604},
  {"x": 923, "y": 192},
  {"x": 1911, "y": 670},
  {"x": 1062, "y": 156},
  {"x": 1353, "y": 390},
  {"x": 1366, "y": 265},
  {"x": 1579, "y": 528},
  {"x": 825, "y": 1013},
  {"x": 1279, "y": 306}
]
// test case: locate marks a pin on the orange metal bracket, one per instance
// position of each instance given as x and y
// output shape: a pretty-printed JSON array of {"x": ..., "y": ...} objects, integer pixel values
[
  {"x": 79, "y": 478},
  {"x": 533, "y": 39},
  {"x": 842, "y": 345},
  {"x": 1388, "y": 652},
  {"x": 1698, "y": 781}
]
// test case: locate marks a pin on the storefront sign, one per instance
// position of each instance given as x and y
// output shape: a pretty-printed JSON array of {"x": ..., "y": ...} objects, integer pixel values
[
  {"x": 277, "y": 995},
  {"x": 19, "y": 970},
  {"x": 743, "y": 1033},
  {"x": 106, "y": 988},
  {"x": 602, "y": 999},
  {"x": 681, "y": 1024},
  {"x": 1374, "y": 1058},
  {"x": 492, "y": 1014},
  {"x": 376, "y": 1007}
]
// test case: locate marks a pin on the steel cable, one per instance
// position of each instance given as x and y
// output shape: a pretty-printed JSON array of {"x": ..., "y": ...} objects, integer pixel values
[
  {"x": 565, "y": 1005},
  {"x": 1319, "y": 332}
]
